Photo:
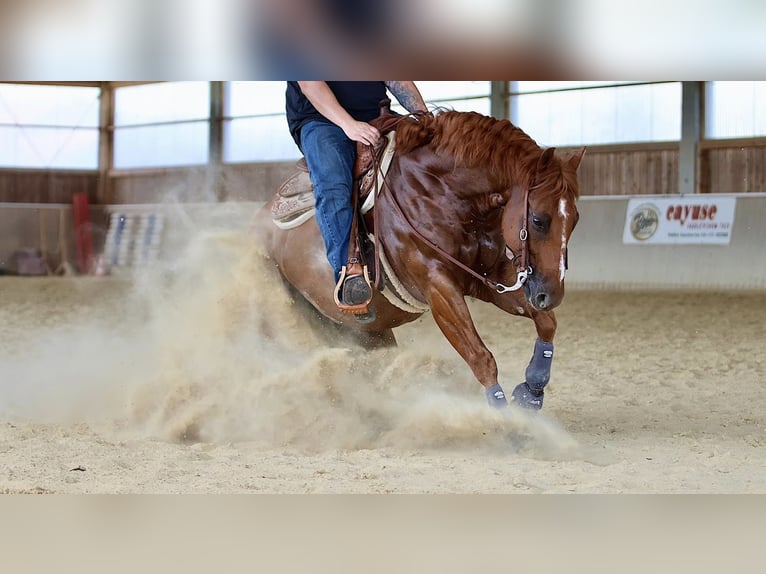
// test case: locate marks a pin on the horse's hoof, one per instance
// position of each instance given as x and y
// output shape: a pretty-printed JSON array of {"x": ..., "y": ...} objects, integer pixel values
[
  {"x": 526, "y": 398},
  {"x": 496, "y": 397}
]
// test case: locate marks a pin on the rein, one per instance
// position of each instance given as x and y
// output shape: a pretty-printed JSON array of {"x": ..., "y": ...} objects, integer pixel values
[{"x": 523, "y": 270}]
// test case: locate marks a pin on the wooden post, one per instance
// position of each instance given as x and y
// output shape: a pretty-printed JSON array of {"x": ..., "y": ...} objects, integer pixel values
[
  {"x": 691, "y": 130},
  {"x": 498, "y": 100},
  {"x": 105, "y": 143}
]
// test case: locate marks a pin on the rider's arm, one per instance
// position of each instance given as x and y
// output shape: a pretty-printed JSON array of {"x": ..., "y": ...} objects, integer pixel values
[
  {"x": 408, "y": 95},
  {"x": 325, "y": 102}
]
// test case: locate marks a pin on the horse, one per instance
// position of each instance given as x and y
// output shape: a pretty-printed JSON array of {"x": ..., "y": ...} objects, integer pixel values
[{"x": 471, "y": 206}]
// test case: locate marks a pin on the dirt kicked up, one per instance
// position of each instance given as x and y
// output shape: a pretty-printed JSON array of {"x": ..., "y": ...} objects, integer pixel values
[{"x": 205, "y": 376}]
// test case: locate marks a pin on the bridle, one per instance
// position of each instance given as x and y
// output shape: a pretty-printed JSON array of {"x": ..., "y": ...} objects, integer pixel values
[{"x": 523, "y": 269}]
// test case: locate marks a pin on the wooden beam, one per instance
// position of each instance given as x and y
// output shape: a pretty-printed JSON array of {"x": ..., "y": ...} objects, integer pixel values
[
  {"x": 727, "y": 143},
  {"x": 623, "y": 148},
  {"x": 691, "y": 130},
  {"x": 215, "y": 160},
  {"x": 498, "y": 100},
  {"x": 105, "y": 143}
]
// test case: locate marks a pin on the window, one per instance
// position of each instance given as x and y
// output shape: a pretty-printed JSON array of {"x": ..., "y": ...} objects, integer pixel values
[
  {"x": 255, "y": 128},
  {"x": 735, "y": 109},
  {"x": 459, "y": 96},
  {"x": 162, "y": 125},
  {"x": 49, "y": 126},
  {"x": 577, "y": 113}
]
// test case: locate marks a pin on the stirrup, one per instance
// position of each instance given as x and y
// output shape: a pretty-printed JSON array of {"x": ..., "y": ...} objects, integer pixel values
[{"x": 353, "y": 292}]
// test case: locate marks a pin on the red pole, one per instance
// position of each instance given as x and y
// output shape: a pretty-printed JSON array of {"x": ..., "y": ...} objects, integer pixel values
[{"x": 82, "y": 232}]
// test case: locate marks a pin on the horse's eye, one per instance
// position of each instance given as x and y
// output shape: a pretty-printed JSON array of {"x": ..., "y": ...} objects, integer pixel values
[{"x": 540, "y": 223}]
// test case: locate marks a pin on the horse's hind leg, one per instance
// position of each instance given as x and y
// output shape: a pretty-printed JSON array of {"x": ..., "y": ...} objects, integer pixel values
[{"x": 529, "y": 394}]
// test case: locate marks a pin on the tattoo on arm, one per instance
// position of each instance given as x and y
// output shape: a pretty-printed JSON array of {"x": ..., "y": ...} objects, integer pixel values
[{"x": 407, "y": 95}]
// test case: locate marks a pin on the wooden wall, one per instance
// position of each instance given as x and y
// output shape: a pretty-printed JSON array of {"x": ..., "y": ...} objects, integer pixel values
[
  {"x": 47, "y": 227},
  {"x": 234, "y": 182},
  {"x": 739, "y": 166},
  {"x": 46, "y": 186},
  {"x": 724, "y": 166},
  {"x": 626, "y": 170},
  {"x": 160, "y": 186}
]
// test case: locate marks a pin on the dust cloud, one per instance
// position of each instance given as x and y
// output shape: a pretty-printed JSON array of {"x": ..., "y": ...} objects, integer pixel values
[{"x": 212, "y": 348}]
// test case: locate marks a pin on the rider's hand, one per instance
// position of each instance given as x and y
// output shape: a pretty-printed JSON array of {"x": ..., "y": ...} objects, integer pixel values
[{"x": 362, "y": 132}]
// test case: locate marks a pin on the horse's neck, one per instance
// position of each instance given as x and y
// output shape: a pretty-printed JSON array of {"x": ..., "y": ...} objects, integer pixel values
[
  {"x": 440, "y": 179},
  {"x": 431, "y": 193}
]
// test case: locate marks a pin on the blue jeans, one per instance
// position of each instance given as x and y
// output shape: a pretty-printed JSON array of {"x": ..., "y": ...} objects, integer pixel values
[{"x": 330, "y": 155}]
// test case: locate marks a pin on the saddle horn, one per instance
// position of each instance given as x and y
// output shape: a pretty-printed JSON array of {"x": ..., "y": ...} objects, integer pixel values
[{"x": 385, "y": 107}]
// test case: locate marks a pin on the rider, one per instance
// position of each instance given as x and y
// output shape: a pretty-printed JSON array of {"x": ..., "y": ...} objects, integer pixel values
[{"x": 326, "y": 119}]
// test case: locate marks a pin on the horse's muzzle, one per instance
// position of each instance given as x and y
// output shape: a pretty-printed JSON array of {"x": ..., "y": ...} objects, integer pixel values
[
  {"x": 541, "y": 298},
  {"x": 540, "y": 301}
]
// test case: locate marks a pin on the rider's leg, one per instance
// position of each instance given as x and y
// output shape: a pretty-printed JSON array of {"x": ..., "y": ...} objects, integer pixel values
[{"x": 330, "y": 157}]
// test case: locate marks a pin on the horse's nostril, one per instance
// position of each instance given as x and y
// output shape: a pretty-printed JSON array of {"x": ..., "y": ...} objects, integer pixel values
[{"x": 541, "y": 300}]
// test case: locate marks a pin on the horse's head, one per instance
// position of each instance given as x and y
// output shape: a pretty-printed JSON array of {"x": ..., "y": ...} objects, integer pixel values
[
  {"x": 535, "y": 189},
  {"x": 537, "y": 223}
]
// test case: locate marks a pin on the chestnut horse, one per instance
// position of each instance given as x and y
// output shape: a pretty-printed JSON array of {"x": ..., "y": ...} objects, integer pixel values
[{"x": 471, "y": 207}]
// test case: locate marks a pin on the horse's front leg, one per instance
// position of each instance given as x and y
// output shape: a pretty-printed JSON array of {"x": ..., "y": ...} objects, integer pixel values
[
  {"x": 529, "y": 394},
  {"x": 453, "y": 318}
]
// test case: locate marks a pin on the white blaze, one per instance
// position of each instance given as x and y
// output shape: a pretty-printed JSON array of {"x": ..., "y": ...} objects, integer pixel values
[{"x": 562, "y": 260}]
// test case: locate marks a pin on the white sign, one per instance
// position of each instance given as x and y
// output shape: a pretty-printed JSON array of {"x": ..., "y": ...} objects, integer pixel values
[{"x": 697, "y": 219}]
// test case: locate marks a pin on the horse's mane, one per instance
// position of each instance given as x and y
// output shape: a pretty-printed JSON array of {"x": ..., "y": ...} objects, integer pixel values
[{"x": 475, "y": 140}]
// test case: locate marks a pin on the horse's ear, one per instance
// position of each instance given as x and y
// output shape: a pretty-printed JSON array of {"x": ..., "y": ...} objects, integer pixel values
[
  {"x": 576, "y": 158},
  {"x": 545, "y": 159}
]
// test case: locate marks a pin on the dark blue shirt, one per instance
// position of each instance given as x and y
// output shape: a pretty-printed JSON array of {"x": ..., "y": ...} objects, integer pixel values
[{"x": 360, "y": 99}]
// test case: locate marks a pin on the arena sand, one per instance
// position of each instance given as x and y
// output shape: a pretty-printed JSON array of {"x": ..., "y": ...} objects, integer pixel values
[{"x": 204, "y": 376}]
